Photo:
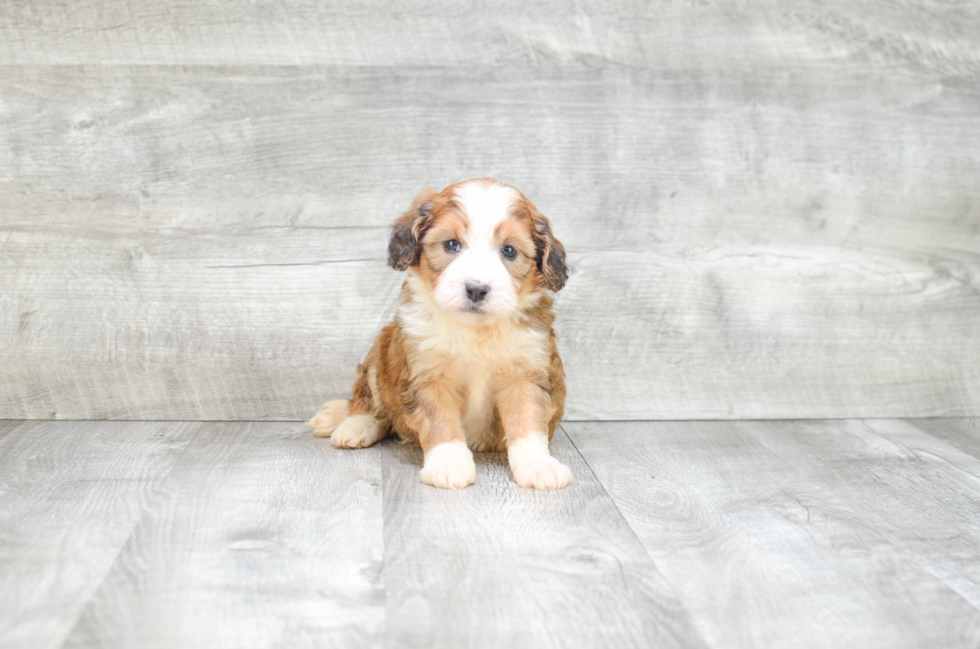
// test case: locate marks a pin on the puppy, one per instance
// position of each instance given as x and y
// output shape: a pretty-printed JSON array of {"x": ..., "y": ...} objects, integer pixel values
[{"x": 469, "y": 362}]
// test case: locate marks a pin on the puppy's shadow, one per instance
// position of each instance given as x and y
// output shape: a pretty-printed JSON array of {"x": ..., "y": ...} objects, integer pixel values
[
  {"x": 407, "y": 453},
  {"x": 410, "y": 453}
]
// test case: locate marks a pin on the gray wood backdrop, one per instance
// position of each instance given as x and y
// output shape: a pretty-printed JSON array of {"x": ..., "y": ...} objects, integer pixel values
[{"x": 771, "y": 209}]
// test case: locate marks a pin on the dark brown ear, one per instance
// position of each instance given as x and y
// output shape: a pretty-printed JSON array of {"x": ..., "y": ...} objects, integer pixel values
[
  {"x": 405, "y": 247},
  {"x": 550, "y": 252}
]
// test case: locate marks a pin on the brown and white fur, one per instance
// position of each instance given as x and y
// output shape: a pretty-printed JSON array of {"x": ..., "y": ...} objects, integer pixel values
[{"x": 469, "y": 361}]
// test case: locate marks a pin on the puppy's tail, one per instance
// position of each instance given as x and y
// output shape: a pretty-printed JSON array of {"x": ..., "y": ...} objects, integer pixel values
[{"x": 328, "y": 417}]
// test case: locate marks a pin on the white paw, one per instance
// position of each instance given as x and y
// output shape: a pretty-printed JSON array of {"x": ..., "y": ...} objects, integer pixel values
[
  {"x": 326, "y": 420},
  {"x": 357, "y": 431},
  {"x": 540, "y": 471},
  {"x": 449, "y": 466}
]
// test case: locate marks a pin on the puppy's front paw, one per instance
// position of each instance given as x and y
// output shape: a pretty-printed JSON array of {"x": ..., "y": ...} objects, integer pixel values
[
  {"x": 449, "y": 466},
  {"x": 540, "y": 471}
]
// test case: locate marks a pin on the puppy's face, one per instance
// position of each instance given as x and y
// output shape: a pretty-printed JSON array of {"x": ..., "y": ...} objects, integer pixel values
[{"x": 482, "y": 249}]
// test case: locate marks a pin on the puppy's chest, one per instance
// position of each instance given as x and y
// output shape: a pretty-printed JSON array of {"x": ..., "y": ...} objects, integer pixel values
[
  {"x": 477, "y": 411},
  {"x": 476, "y": 380},
  {"x": 470, "y": 352},
  {"x": 477, "y": 365}
]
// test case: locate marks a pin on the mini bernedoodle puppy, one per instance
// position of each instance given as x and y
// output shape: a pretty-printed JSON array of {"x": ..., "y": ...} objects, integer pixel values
[{"x": 469, "y": 361}]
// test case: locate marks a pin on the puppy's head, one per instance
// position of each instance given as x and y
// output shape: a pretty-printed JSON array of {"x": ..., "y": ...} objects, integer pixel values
[{"x": 480, "y": 248}]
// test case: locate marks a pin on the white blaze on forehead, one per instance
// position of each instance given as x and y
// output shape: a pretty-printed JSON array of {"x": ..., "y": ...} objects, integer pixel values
[
  {"x": 485, "y": 206},
  {"x": 479, "y": 260}
]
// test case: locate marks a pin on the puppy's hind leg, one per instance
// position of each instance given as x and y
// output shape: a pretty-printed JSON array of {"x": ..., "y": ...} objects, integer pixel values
[
  {"x": 353, "y": 424},
  {"x": 346, "y": 431},
  {"x": 359, "y": 431},
  {"x": 330, "y": 415}
]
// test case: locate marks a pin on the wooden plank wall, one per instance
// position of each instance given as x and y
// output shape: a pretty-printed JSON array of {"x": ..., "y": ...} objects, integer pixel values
[{"x": 771, "y": 209}]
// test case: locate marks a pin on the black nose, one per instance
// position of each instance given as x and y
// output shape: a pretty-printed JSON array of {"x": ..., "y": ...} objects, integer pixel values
[{"x": 476, "y": 291}]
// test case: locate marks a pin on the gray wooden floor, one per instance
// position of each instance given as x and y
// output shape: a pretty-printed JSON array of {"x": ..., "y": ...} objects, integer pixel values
[{"x": 833, "y": 533}]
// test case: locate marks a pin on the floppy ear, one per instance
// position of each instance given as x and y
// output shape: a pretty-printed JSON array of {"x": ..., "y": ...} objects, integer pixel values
[
  {"x": 550, "y": 253},
  {"x": 405, "y": 248}
]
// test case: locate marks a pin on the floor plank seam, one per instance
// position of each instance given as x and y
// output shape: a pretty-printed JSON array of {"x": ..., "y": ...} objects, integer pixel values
[
  {"x": 694, "y": 623},
  {"x": 912, "y": 556},
  {"x": 384, "y": 548},
  {"x": 122, "y": 546},
  {"x": 603, "y": 487}
]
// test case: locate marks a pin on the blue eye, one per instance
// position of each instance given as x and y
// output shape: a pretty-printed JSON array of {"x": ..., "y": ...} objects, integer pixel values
[
  {"x": 451, "y": 246},
  {"x": 509, "y": 252}
]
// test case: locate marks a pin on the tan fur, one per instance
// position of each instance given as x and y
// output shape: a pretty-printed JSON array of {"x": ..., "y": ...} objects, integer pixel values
[
  {"x": 432, "y": 379},
  {"x": 326, "y": 420},
  {"x": 411, "y": 401}
]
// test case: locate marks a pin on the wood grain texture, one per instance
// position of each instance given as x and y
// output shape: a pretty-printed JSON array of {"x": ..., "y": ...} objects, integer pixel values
[
  {"x": 963, "y": 434},
  {"x": 809, "y": 534},
  {"x": 950, "y": 495},
  {"x": 207, "y": 242},
  {"x": 939, "y": 37},
  {"x": 495, "y": 565},
  {"x": 262, "y": 536},
  {"x": 70, "y": 495},
  {"x": 840, "y": 533}
]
